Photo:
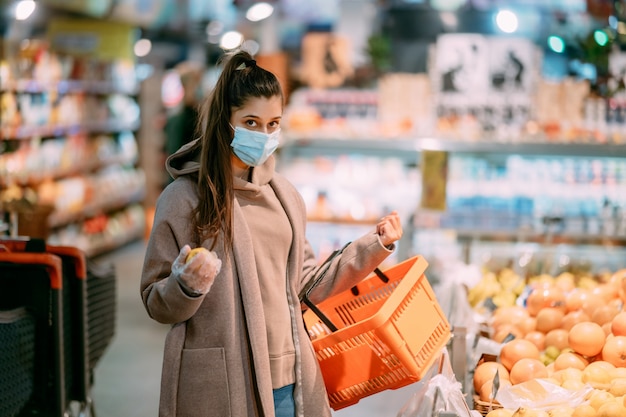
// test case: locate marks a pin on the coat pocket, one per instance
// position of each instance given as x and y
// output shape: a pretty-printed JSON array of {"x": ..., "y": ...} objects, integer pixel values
[{"x": 203, "y": 384}]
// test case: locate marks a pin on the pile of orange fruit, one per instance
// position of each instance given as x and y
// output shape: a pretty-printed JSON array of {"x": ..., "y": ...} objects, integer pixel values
[{"x": 571, "y": 336}]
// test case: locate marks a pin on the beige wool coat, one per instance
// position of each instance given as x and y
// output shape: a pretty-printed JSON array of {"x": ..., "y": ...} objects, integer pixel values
[{"x": 216, "y": 361}]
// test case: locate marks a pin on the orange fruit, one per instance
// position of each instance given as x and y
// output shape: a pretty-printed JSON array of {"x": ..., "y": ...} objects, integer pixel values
[
  {"x": 545, "y": 296},
  {"x": 614, "y": 351},
  {"x": 538, "y": 338},
  {"x": 618, "y": 324},
  {"x": 549, "y": 318},
  {"x": 517, "y": 349},
  {"x": 604, "y": 314},
  {"x": 570, "y": 360},
  {"x": 586, "y": 338},
  {"x": 486, "y": 371},
  {"x": 526, "y": 369},
  {"x": 194, "y": 252},
  {"x": 557, "y": 338},
  {"x": 573, "y": 317}
]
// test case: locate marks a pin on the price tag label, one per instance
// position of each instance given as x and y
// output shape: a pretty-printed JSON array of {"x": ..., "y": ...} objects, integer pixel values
[{"x": 434, "y": 167}]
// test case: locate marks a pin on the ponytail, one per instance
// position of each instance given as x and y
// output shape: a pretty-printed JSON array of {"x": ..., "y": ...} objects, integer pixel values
[{"x": 241, "y": 79}]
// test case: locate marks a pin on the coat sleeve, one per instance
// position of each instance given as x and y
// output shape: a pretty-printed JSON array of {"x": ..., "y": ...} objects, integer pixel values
[
  {"x": 162, "y": 295},
  {"x": 355, "y": 263}
]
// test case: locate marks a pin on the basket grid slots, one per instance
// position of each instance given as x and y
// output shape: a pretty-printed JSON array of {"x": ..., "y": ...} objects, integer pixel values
[
  {"x": 344, "y": 311},
  {"x": 367, "y": 339},
  {"x": 364, "y": 388},
  {"x": 431, "y": 346}
]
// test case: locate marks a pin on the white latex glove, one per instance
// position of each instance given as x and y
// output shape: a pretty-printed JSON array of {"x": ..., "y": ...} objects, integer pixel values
[{"x": 196, "y": 276}]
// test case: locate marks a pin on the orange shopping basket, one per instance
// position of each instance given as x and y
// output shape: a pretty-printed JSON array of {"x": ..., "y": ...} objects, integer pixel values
[{"x": 384, "y": 333}]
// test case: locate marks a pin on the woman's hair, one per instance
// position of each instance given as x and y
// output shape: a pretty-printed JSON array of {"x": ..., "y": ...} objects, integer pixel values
[{"x": 241, "y": 79}]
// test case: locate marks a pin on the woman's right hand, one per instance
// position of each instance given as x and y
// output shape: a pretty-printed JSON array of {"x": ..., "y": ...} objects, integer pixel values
[{"x": 197, "y": 274}]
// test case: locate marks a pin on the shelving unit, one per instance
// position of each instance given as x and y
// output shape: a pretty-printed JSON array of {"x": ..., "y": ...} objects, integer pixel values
[
  {"x": 545, "y": 230},
  {"x": 67, "y": 133},
  {"x": 411, "y": 147}
]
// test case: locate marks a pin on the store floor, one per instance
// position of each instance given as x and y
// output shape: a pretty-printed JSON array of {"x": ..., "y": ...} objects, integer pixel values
[{"x": 126, "y": 381}]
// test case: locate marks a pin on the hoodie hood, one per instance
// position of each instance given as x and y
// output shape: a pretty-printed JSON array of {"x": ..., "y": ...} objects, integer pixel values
[{"x": 186, "y": 161}]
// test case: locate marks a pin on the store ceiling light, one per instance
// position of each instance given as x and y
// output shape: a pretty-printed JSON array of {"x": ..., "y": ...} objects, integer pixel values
[
  {"x": 251, "y": 46},
  {"x": 601, "y": 37},
  {"x": 259, "y": 11},
  {"x": 214, "y": 31},
  {"x": 450, "y": 20},
  {"x": 556, "y": 44},
  {"x": 215, "y": 28},
  {"x": 507, "y": 21},
  {"x": 231, "y": 40},
  {"x": 142, "y": 47},
  {"x": 24, "y": 9}
]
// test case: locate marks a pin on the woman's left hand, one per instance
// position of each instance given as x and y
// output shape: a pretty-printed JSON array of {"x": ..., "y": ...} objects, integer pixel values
[{"x": 389, "y": 228}]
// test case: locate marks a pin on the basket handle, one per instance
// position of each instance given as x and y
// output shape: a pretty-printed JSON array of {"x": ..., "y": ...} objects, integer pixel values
[{"x": 321, "y": 273}]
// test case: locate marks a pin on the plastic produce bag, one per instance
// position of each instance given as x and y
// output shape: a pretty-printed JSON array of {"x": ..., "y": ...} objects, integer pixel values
[
  {"x": 438, "y": 392},
  {"x": 540, "y": 394}
]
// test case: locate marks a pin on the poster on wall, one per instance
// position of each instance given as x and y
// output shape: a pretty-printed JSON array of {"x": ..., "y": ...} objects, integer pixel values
[
  {"x": 483, "y": 83},
  {"x": 510, "y": 66},
  {"x": 461, "y": 65},
  {"x": 100, "y": 39},
  {"x": 325, "y": 60}
]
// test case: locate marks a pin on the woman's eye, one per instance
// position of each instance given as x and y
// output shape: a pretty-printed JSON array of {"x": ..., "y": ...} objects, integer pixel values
[{"x": 250, "y": 123}]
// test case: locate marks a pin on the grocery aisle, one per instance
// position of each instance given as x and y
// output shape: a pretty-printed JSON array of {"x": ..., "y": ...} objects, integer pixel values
[{"x": 126, "y": 382}]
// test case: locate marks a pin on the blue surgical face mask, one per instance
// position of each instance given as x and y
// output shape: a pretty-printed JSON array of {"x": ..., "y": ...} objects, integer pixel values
[{"x": 253, "y": 147}]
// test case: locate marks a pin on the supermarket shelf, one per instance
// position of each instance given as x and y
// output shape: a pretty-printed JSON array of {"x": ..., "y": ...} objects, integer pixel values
[
  {"x": 104, "y": 205},
  {"x": 535, "y": 237},
  {"x": 80, "y": 169},
  {"x": 27, "y": 132},
  {"x": 410, "y": 147},
  {"x": 100, "y": 247},
  {"x": 408, "y": 150},
  {"x": 476, "y": 226},
  {"x": 66, "y": 86}
]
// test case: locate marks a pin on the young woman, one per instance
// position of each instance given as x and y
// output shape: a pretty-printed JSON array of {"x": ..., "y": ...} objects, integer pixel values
[{"x": 238, "y": 346}]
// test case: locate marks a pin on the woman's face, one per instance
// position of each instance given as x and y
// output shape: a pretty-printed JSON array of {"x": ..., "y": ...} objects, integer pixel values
[{"x": 259, "y": 114}]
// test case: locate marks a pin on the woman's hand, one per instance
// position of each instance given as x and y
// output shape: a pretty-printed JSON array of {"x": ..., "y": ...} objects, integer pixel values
[
  {"x": 389, "y": 228},
  {"x": 196, "y": 274}
]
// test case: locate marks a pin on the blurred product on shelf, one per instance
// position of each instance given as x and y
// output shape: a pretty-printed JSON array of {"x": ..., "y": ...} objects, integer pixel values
[{"x": 490, "y": 90}]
